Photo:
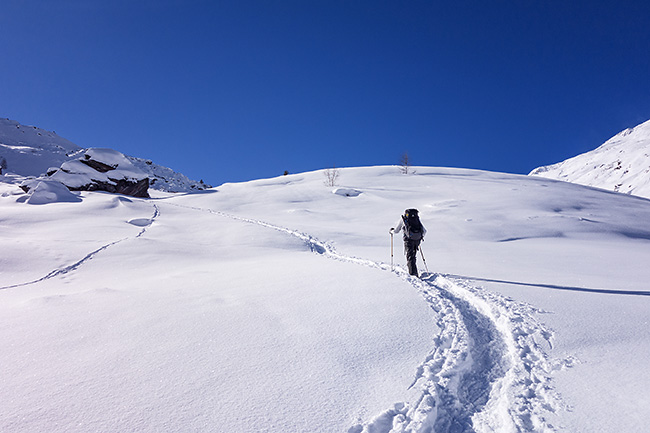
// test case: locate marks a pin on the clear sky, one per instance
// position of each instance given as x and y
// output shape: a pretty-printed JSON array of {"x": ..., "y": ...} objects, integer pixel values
[{"x": 238, "y": 90}]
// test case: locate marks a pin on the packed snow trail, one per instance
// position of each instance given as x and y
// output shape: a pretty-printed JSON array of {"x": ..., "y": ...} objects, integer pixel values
[
  {"x": 456, "y": 377},
  {"x": 520, "y": 398},
  {"x": 488, "y": 370}
]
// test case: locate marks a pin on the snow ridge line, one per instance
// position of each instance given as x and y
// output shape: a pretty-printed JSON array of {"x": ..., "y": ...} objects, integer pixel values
[
  {"x": 73, "y": 267},
  {"x": 488, "y": 371}
]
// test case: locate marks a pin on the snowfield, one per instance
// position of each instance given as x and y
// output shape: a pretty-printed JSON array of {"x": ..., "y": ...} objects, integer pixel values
[{"x": 272, "y": 306}]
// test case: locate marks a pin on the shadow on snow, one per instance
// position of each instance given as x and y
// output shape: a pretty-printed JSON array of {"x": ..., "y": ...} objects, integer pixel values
[{"x": 554, "y": 286}]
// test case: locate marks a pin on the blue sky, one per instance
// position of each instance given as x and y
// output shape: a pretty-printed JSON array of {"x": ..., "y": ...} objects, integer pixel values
[{"x": 238, "y": 90}]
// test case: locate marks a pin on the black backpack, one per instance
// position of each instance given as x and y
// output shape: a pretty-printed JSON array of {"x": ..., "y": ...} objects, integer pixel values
[{"x": 412, "y": 226}]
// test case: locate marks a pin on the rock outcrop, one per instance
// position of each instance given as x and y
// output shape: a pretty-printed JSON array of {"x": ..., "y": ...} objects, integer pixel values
[{"x": 102, "y": 170}]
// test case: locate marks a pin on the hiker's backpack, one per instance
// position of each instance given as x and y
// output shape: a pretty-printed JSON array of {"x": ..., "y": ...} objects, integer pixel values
[{"x": 413, "y": 229}]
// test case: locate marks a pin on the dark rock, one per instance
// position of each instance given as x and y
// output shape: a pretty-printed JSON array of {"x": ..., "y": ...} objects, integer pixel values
[{"x": 99, "y": 166}]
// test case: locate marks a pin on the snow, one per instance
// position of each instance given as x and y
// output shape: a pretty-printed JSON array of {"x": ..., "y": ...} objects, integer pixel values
[
  {"x": 621, "y": 164},
  {"x": 76, "y": 174},
  {"x": 346, "y": 192},
  {"x": 48, "y": 191},
  {"x": 31, "y": 151},
  {"x": 109, "y": 157},
  {"x": 272, "y": 306},
  {"x": 165, "y": 179}
]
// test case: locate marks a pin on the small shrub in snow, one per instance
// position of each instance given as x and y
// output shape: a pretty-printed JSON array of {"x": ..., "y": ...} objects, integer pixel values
[{"x": 331, "y": 176}]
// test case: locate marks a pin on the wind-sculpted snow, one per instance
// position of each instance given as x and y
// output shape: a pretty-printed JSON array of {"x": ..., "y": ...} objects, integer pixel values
[{"x": 487, "y": 371}]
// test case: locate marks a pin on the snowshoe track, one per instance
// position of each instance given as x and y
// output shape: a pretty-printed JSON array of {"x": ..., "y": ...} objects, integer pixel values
[
  {"x": 488, "y": 370},
  {"x": 520, "y": 394},
  {"x": 73, "y": 267}
]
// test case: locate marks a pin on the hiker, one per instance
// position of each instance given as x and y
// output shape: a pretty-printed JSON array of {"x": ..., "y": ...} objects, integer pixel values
[{"x": 414, "y": 233}]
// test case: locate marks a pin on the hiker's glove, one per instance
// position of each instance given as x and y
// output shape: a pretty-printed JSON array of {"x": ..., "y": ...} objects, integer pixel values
[{"x": 392, "y": 230}]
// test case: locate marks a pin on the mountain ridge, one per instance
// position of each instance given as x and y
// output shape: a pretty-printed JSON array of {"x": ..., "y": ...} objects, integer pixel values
[{"x": 621, "y": 164}]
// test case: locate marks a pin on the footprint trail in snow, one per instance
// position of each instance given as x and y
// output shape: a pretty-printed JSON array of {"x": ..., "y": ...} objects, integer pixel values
[
  {"x": 488, "y": 369},
  {"x": 145, "y": 223}
]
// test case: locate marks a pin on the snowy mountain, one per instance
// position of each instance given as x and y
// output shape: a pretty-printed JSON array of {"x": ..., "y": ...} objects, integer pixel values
[
  {"x": 31, "y": 151},
  {"x": 621, "y": 164},
  {"x": 273, "y": 306}
]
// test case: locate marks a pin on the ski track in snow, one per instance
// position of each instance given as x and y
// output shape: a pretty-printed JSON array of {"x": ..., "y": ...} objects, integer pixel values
[
  {"x": 73, "y": 267},
  {"x": 488, "y": 370}
]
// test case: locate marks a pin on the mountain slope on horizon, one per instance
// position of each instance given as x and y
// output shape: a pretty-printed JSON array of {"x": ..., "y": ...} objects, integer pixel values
[
  {"x": 31, "y": 151},
  {"x": 621, "y": 164},
  {"x": 273, "y": 305}
]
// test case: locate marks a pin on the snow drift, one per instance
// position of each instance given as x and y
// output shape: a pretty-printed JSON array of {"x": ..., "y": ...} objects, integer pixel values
[{"x": 43, "y": 191}]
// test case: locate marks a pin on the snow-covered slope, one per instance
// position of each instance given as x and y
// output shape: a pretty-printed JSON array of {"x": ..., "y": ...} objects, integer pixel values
[
  {"x": 31, "y": 151},
  {"x": 621, "y": 164},
  {"x": 272, "y": 306},
  {"x": 165, "y": 179}
]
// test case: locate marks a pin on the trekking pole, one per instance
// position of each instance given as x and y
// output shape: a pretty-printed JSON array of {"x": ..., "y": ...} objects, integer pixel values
[
  {"x": 424, "y": 260},
  {"x": 391, "y": 250}
]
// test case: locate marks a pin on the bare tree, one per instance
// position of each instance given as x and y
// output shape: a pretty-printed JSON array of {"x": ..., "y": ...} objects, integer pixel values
[
  {"x": 331, "y": 176},
  {"x": 405, "y": 163}
]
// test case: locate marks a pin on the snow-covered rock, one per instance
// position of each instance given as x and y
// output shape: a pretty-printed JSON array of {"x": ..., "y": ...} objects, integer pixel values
[
  {"x": 43, "y": 191},
  {"x": 32, "y": 151},
  {"x": 103, "y": 170},
  {"x": 621, "y": 164},
  {"x": 165, "y": 179}
]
